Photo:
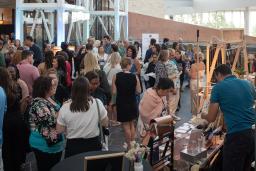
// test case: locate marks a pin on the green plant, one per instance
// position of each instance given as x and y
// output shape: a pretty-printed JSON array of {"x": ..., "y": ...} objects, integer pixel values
[{"x": 240, "y": 71}]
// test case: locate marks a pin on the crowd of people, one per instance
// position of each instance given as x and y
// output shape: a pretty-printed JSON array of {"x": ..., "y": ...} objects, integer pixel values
[{"x": 49, "y": 97}]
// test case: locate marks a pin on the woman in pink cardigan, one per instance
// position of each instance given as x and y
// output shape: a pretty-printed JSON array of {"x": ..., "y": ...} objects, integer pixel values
[{"x": 153, "y": 103}]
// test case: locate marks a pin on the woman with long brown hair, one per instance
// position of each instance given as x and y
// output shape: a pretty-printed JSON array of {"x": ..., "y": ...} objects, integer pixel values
[
  {"x": 80, "y": 117},
  {"x": 15, "y": 134},
  {"x": 47, "y": 64},
  {"x": 44, "y": 140}
]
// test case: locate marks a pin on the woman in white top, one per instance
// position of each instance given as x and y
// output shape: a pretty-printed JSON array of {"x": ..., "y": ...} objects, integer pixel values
[
  {"x": 102, "y": 57},
  {"x": 111, "y": 69},
  {"x": 113, "y": 66},
  {"x": 80, "y": 117}
]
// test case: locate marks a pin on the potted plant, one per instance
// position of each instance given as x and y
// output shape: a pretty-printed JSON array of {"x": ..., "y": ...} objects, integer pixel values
[{"x": 240, "y": 72}]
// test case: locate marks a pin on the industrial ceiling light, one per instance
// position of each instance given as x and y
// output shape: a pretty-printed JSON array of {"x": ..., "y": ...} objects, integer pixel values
[{"x": 2, "y": 20}]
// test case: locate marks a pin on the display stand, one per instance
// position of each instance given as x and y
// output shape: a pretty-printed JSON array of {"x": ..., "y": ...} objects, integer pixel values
[{"x": 161, "y": 144}]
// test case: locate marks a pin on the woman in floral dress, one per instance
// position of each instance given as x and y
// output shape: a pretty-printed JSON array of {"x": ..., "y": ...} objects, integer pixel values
[{"x": 44, "y": 140}]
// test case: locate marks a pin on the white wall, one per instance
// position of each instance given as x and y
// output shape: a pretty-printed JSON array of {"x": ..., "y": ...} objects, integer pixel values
[{"x": 155, "y": 8}]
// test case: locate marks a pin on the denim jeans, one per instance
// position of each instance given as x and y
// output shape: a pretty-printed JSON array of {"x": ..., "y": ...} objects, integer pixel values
[{"x": 238, "y": 151}]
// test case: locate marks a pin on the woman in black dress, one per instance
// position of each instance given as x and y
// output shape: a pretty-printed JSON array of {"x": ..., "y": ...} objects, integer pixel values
[{"x": 125, "y": 85}]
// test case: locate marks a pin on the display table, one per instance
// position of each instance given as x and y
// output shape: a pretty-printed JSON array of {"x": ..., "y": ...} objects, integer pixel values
[
  {"x": 181, "y": 142},
  {"x": 76, "y": 163}
]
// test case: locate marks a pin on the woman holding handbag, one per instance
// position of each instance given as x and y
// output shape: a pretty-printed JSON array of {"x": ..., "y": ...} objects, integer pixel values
[{"x": 78, "y": 117}]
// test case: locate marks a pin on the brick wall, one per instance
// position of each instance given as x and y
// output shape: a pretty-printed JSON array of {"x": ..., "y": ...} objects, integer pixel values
[
  {"x": 173, "y": 30},
  {"x": 139, "y": 24}
]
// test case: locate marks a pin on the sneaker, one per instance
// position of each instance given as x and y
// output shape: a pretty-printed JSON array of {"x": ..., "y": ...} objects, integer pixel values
[{"x": 176, "y": 118}]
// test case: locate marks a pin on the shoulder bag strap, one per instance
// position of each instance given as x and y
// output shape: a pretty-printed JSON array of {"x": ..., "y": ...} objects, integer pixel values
[
  {"x": 109, "y": 71},
  {"x": 99, "y": 122}
]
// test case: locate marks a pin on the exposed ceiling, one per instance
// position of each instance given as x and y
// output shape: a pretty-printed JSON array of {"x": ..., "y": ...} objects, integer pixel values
[
  {"x": 12, "y": 3},
  {"x": 173, "y": 7}
]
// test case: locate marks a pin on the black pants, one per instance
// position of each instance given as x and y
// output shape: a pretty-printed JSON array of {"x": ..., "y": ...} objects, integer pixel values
[
  {"x": 238, "y": 151},
  {"x": 45, "y": 161},
  {"x": 181, "y": 86},
  {"x": 80, "y": 145}
]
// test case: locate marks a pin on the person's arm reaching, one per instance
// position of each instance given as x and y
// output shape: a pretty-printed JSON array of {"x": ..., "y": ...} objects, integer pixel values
[
  {"x": 212, "y": 112},
  {"x": 138, "y": 87},
  {"x": 214, "y": 105}
]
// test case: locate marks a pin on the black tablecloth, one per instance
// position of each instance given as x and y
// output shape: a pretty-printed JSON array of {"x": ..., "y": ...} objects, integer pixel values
[{"x": 76, "y": 163}]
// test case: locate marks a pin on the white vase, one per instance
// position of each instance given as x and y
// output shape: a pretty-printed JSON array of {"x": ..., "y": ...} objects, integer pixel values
[{"x": 138, "y": 166}]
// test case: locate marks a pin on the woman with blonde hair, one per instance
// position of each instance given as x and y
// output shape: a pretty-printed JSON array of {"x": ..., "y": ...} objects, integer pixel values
[
  {"x": 113, "y": 66},
  {"x": 91, "y": 64},
  {"x": 125, "y": 86},
  {"x": 111, "y": 69}
]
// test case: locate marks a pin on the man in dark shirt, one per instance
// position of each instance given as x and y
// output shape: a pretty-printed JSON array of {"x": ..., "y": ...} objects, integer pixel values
[
  {"x": 95, "y": 90},
  {"x": 107, "y": 44},
  {"x": 235, "y": 98},
  {"x": 152, "y": 49},
  {"x": 38, "y": 55}
]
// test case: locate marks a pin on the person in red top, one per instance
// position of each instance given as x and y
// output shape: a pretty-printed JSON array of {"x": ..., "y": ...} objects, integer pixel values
[{"x": 28, "y": 72}]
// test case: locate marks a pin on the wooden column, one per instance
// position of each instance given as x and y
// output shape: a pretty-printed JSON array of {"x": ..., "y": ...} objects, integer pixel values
[
  {"x": 207, "y": 70},
  {"x": 245, "y": 59},
  {"x": 214, "y": 61},
  {"x": 223, "y": 54},
  {"x": 236, "y": 59}
]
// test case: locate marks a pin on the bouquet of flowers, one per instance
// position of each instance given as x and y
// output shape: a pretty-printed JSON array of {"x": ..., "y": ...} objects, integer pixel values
[{"x": 136, "y": 152}]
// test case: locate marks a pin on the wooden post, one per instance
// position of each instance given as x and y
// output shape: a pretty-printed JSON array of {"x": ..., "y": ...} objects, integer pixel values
[
  {"x": 245, "y": 60},
  {"x": 236, "y": 58},
  {"x": 223, "y": 55},
  {"x": 207, "y": 70},
  {"x": 214, "y": 61}
]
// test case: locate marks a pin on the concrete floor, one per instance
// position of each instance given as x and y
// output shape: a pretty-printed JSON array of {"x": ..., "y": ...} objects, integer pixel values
[{"x": 116, "y": 138}]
